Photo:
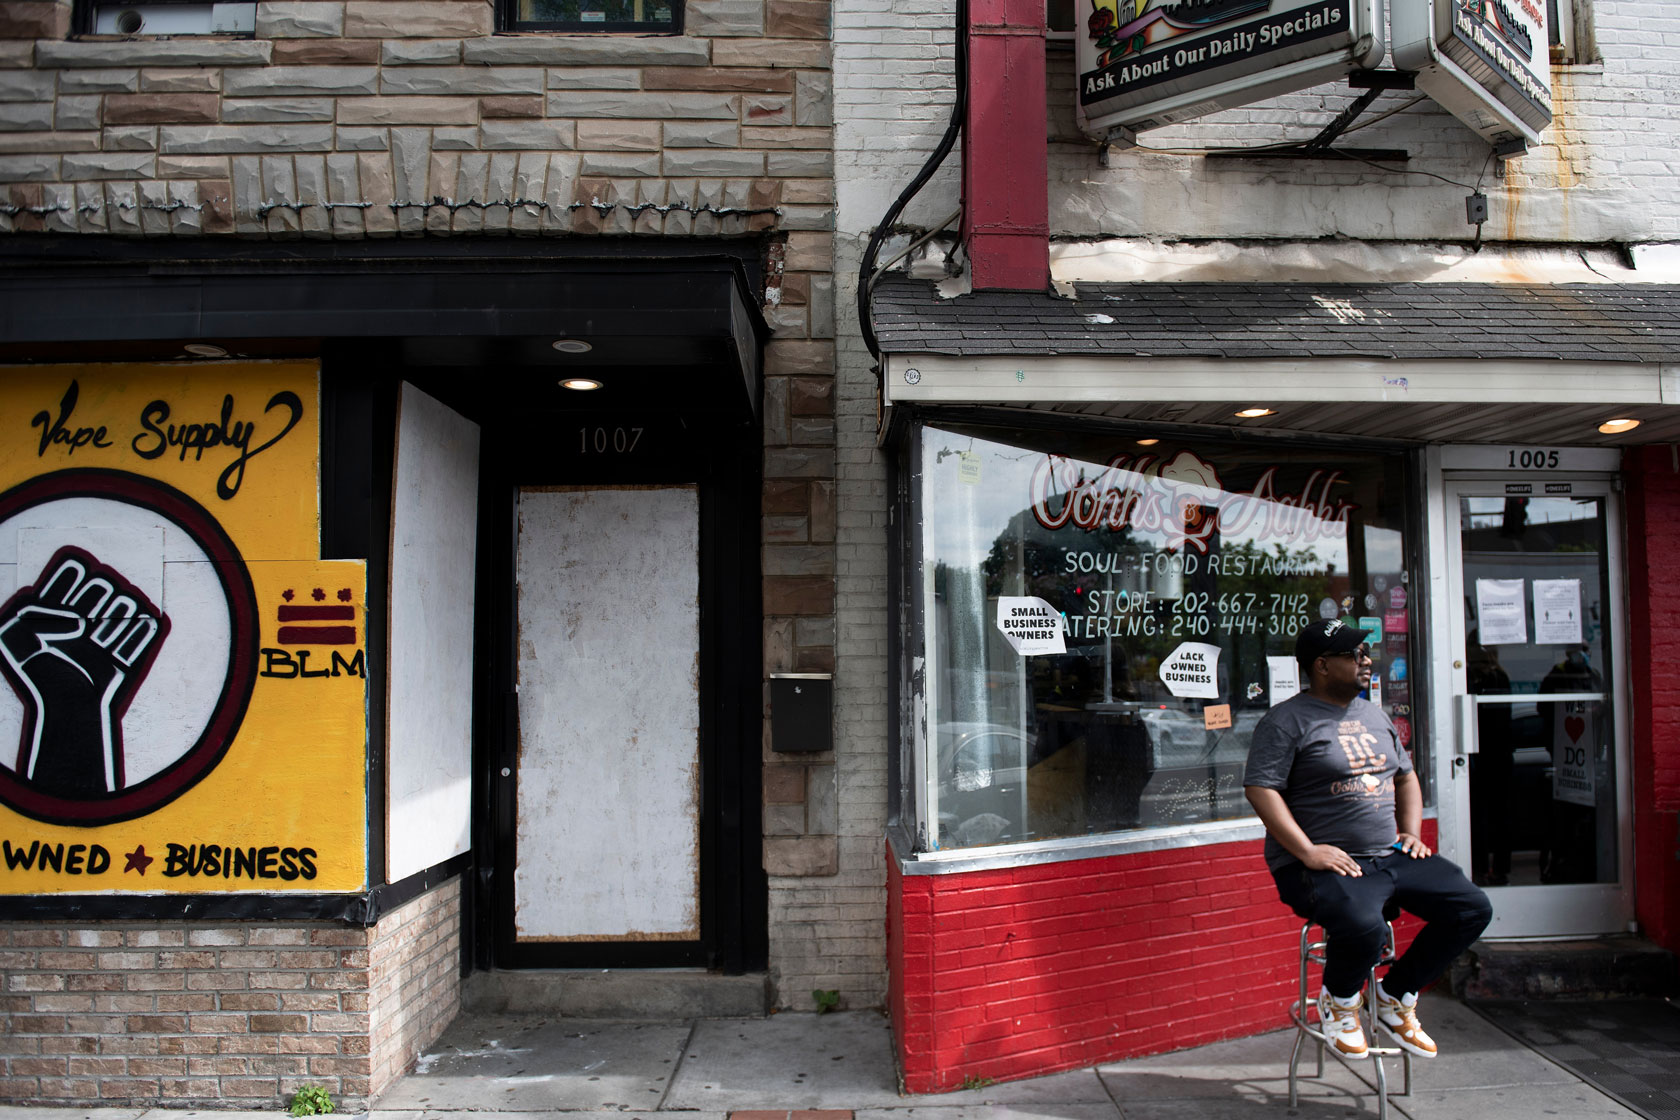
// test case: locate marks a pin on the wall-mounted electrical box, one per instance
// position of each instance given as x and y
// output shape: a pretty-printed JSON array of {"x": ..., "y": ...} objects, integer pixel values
[{"x": 801, "y": 712}]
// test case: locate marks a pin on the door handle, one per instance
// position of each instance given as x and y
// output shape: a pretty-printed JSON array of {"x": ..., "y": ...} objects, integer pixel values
[{"x": 1467, "y": 742}]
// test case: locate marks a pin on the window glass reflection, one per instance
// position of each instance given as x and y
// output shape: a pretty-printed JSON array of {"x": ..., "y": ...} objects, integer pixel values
[{"x": 1176, "y": 576}]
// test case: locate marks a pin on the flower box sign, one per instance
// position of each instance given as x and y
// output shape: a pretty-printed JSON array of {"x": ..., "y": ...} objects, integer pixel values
[
  {"x": 1147, "y": 63},
  {"x": 1487, "y": 62}
]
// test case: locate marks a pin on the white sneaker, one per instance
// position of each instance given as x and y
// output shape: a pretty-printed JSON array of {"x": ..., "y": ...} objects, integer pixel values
[
  {"x": 1340, "y": 1024},
  {"x": 1398, "y": 1019}
]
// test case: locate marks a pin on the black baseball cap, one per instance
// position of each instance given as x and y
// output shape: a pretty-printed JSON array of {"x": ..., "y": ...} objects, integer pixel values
[{"x": 1327, "y": 635}]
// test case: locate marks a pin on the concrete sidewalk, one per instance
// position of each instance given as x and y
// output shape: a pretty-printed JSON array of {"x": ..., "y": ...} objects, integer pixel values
[{"x": 842, "y": 1065}]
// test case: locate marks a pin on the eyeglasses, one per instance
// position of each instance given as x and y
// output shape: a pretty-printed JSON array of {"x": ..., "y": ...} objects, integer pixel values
[{"x": 1363, "y": 653}]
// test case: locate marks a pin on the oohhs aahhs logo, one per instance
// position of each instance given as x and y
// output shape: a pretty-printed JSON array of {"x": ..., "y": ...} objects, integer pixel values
[{"x": 129, "y": 644}]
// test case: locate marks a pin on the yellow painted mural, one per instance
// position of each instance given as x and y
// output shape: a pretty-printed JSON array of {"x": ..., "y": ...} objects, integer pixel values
[{"x": 184, "y": 698}]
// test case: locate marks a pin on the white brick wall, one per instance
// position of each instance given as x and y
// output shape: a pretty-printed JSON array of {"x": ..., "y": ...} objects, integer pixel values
[{"x": 1597, "y": 177}]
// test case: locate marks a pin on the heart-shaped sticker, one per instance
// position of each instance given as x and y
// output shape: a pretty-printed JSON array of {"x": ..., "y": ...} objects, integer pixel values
[{"x": 1573, "y": 726}]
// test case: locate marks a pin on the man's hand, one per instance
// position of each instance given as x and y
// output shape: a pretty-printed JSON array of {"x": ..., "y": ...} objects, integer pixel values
[
  {"x": 1280, "y": 822},
  {"x": 1413, "y": 846},
  {"x": 1328, "y": 857}
]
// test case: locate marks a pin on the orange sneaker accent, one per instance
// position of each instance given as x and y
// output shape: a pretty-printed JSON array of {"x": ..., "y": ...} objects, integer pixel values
[
  {"x": 1398, "y": 1019},
  {"x": 1340, "y": 1026}
]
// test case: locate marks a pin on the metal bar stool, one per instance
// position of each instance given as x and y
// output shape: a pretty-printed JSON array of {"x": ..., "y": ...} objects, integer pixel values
[{"x": 1312, "y": 952}]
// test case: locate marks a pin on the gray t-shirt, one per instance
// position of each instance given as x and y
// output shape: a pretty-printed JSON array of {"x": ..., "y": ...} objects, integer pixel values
[{"x": 1335, "y": 768}]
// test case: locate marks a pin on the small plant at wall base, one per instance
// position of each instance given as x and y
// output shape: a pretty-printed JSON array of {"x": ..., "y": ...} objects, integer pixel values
[
  {"x": 311, "y": 1100},
  {"x": 827, "y": 1000}
]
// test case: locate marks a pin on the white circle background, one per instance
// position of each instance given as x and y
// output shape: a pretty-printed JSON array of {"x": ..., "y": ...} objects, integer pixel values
[{"x": 173, "y": 704}]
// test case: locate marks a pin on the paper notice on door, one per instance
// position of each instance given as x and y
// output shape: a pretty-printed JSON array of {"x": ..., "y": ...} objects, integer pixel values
[
  {"x": 1499, "y": 612},
  {"x": 1557, "y": 612},
  {"x": 1285, "y": 678},
  {"x": 1030, "y": 625},
  {"x": 1572, "y": 757}
]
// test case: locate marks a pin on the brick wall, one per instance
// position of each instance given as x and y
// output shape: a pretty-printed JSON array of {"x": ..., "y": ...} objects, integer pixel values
[
  {"x": 379, "y": 117},
  {"x": 1026, "y": 971},
  {"x": 414, "y": 962},
  {"x": 1653, "y": 536},
  {"x": 1595, "y": 177},
  {"x": 140, "y": 1014},
  {"x": 827, "y": 933}
]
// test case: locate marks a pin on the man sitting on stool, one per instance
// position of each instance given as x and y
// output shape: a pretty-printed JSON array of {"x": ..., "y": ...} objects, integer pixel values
[{"x": 1342, "y": 809}]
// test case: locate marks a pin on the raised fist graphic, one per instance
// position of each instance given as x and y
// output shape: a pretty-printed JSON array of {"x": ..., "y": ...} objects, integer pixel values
[{"x": 75, "y": 647}]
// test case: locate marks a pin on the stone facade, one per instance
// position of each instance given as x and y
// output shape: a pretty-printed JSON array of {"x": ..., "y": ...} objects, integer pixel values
[
  {"x": 343, "y": 120},
  {"x": 229, "y": 1014}
]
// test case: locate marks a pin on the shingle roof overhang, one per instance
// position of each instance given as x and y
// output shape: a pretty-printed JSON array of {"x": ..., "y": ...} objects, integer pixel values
[{"x": 1448, "y": 362}]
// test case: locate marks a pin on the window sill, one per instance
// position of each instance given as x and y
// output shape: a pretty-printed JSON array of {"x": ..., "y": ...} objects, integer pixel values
[{"x": 958, "y": 860}]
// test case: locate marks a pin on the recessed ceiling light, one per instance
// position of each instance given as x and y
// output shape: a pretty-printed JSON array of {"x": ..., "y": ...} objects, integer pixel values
[
  {"x": 205, "y": 350},
  {"x": 572, "y": 346},
  {"x": 1251, "y": 413},
  {"x": 580, "y": 383},
  {"x": 1617, "y": 427},
  {"x": 1148, "y": 442}
]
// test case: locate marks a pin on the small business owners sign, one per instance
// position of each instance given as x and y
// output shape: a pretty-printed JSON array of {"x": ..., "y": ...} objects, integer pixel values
[{"x": 1147, "y": 63}]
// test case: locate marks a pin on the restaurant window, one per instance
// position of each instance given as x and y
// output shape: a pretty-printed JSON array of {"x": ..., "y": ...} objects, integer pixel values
[
  {"x": 592, "y": 15},
  {"x": 1102, "y": 623}
]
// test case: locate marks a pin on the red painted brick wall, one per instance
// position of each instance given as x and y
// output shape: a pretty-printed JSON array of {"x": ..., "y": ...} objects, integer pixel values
[
  {"x": 1653, "y": 536},
  {"x": 1030, "y": 970}
]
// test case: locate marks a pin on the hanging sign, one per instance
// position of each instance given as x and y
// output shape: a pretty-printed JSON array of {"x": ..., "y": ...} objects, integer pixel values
[
  {"x": 1030, "y": 625},
  {"x": 1487, "y": 62},
  {"x": 1147, "y": 63}
]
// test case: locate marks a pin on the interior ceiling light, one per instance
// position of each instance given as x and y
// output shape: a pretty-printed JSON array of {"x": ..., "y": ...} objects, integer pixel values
[
  {"x": 1148, "y": 442},
  {"x": 580, "y": 383},
  {"x": 1251, "y": 413},
  {"x": 1617, "y": 427},
  {"x": 572, "y": 346},
  {"x": 205, "y": 350}
]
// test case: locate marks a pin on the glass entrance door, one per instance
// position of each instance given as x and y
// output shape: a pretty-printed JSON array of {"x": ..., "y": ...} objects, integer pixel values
[{"x": 1532, "y": 789}]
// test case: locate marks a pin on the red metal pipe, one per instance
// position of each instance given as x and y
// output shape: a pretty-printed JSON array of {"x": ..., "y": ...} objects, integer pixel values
[{"x": 1006, "y": 163}]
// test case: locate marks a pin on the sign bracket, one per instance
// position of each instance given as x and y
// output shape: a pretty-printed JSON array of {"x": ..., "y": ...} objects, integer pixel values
[{"x": 1374, "y": 83}]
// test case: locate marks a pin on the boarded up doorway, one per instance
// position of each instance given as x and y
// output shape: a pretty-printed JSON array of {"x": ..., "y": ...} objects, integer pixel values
[{"x": 608, "y": 706}]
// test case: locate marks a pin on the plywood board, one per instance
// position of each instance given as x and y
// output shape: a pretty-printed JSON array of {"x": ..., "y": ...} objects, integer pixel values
[
  {"x": 608, "y": 778},
  {"x": 434, "y": 538}
]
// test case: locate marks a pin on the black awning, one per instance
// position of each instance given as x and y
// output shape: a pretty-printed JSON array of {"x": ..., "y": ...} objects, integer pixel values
[{"x": 685, "y": 323}]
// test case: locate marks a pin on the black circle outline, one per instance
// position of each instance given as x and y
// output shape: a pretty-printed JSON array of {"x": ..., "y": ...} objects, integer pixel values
[{"x": 244, "y": 637}]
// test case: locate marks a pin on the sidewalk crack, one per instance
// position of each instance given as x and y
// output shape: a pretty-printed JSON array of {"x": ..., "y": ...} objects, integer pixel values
[{"x": 676, "y": 1070}]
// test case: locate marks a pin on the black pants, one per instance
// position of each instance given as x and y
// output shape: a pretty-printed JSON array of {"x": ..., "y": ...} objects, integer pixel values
[{"x": 1454, "y": 910}]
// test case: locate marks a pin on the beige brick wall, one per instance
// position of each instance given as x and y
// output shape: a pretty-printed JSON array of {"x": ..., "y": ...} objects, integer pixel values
[
  {"x": 415, "y": 963},
  {"x": 228, "y": 1015}
]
